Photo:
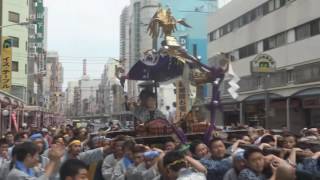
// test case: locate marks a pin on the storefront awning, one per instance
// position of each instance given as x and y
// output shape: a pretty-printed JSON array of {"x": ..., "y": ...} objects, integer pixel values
[
  {"x": 260, "y": 97},
  {"x": 308, "y": 92}
]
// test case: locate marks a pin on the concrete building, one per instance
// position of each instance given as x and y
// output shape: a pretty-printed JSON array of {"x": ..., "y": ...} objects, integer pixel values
[
  {"x": 111, "y": 94},
  {"x": 70, "y": 93},
  {"x": 88, "y": 93},
  {"x": 37, "y": 47},
  {"x": 52, "y": 83},
  {"x": 288, "y": 31},
  {"x": 14, "y": 12},
  {"x": 134, "y": 37}
]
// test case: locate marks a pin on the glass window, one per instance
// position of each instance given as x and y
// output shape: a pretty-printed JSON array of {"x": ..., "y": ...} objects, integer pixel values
[
  {"x": 277, "y": 4},
  {"x": 242, "y": 52},
  {"x": 281, "y": 39},
  {"x": 15, "y": 66},
  {"x": 271, "y": 5},
  {"x": 248, "y": 50},
  {"x": 245, "y": 19},
  {"x": 210, "y": 36},
  {"x": 265, "y": 8},
  {"x": 253, "y": 15},
  {"x": 282, "y": 2},
  {"x": 14, "y": 17},
  {"x": 259, "y": 11},
  {"x": 252, "y": 49},
  {"x": 290, "y": 76},
  {"x": 272, "y": 42},
  {"x": 235, "y": 24},
  {"x": 266, "y": 44},
  {"x": 15, "y": 41},
  {"x": 229, "y": 27},
  {"x": 315, "y": 27},
  {"x": 303, "y": 32}
]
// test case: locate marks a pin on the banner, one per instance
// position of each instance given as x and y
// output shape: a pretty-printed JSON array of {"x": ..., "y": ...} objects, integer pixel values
[{"x": 6, "y": 64}]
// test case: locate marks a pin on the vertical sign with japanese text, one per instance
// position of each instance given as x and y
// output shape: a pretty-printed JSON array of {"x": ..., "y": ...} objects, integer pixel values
[
  {"x": 6, "y": 64},
  {"x": 182, "y": 101},
  {"x": 40, "y": 25}
]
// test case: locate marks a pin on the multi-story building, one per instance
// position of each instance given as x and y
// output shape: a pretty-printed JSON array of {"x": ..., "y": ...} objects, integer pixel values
[
  {"x": 77, "y": 101},
  {"x": 16, "y": 12},
  {"x": 70, "y": 93},
  {"x": 134, "y": 37},
  {"x": 36, "y": 51},
  {"x": 193, "y": 39},
  {"x": 88, "y": 93},
  {"x": 111, "y": 94},
  {"x": 287, "y": 31},
  {"x": 52, "y": 83}
]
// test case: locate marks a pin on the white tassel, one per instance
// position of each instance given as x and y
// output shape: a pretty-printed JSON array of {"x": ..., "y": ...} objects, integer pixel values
[{"x": 234, "y": 87}]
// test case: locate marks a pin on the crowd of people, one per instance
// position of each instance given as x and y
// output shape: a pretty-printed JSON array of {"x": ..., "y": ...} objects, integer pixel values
[{"x": 70, "y": 153}]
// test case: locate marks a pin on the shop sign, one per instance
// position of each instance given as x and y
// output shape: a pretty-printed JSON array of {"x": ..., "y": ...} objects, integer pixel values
[
  {"x": 6, "y": 64},
  {"x": 263, "y": 63}
]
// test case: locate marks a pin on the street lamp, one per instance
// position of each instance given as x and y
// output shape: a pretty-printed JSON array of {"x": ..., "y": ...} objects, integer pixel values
[{"x": 5, "y": 113}]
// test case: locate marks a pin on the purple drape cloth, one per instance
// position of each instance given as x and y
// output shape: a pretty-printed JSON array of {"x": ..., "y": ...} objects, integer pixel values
[{"x": 217, "y": 75}]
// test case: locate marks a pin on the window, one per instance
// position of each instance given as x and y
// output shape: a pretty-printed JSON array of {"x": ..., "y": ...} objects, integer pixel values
[
  {"x": 265, "y": 8},
  {"x": 281, "y": 39},
  {"x": 252, "y": 49},
  {"x": 290, "y": 76},
  {"x": 271, "y": 5},
  {"x": 279, "y": 3},
  {"x": 14, "y": 17},
  {"x": 235, "y": 24},
  {"x": 224, "y": 30},
  {"x": 248, "y": 50},
  {"x": 259, "y": 11},
  {"x": 195, "y": 50},
  {"x": 303, "y": 32},
  {"x": 275, "y": 41},
  {"x": 15, "y": 66},
  {"x": 260, "y": 82},
  {"x": 244, "y": 20},
  {"x": 212, "y": 36},
  {"x": 15, "y": 41},
  {"x": 253, "y": 15},
  {"x": 315, "y": 27}
]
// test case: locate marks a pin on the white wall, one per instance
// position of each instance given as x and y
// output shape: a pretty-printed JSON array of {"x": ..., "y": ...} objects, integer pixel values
[{"x": 287, "y": 17}]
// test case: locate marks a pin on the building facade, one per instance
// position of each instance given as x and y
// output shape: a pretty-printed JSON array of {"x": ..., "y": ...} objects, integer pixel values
[
  {"x": 134, "y": 37},
  {"x": 15, "y": 12},
  {"x": 37, "y": 47},
  {"x": 88, "y": 93},
  {"x": 70, "y": 96},
  {"x": 110, "y": 93},
  {"x": 288, "y": 31},
  {"x": 52, "y": 83}
]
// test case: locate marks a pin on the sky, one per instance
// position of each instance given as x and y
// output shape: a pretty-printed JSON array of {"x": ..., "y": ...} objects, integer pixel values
[{"x": 79, "y": 29}]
